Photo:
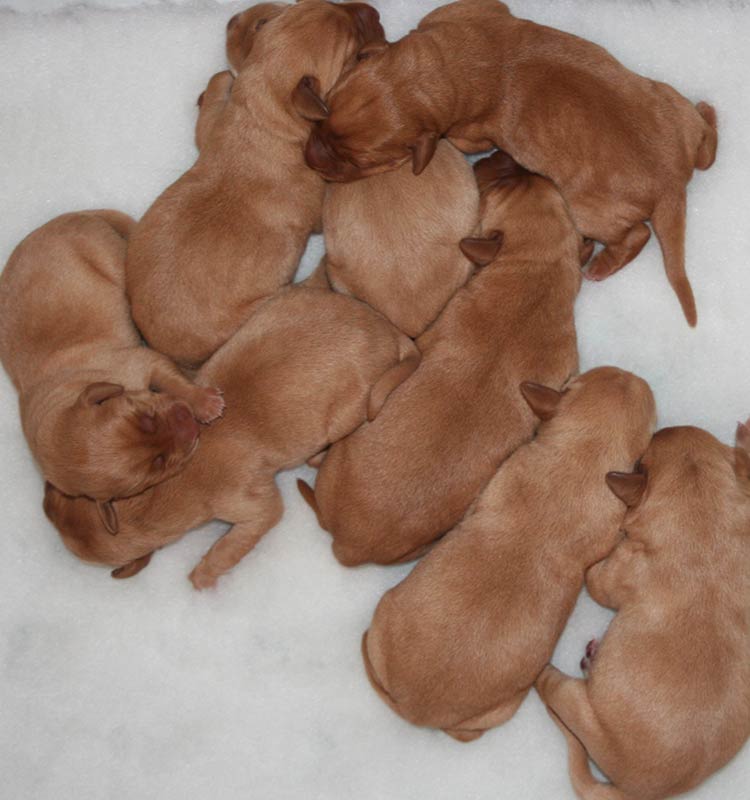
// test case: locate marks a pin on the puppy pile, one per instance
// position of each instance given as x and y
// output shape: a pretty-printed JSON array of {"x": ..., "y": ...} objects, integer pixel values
[{"x": 428, "y": 368}]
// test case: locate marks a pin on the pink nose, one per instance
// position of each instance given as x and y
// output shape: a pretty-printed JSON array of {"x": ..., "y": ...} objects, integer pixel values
[{"x": 183, "y": 424}]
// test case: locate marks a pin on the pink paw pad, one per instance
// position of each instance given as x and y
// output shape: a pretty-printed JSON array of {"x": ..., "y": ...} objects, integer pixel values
[
  {"x": 591, "y": 650},
  {"x": 208, "y": 405}
]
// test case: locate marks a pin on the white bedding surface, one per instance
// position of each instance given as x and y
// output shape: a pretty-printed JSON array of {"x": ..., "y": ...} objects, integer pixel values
[{"x": 146, "y": 689}]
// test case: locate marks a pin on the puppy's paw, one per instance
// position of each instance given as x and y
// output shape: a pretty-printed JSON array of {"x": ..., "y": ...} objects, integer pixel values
[
  {"x": 208, "y": 404},
  {"x": 201, "y": 578},
  {"x": 591, "y": 650}
]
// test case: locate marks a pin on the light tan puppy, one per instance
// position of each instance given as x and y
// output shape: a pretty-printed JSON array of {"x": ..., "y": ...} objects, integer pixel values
[
  {"x": 667, "y": 699},
  {"x": 103, "y": 415},
  {"x": 306, "y": 369},
  {"x": 621, "y": 148},
  {"x": 392, "y": 240},
  {"x": 394, "y": 486},
  {"x": 459, "y": 643},
  {"x": 233, "y": 228}
]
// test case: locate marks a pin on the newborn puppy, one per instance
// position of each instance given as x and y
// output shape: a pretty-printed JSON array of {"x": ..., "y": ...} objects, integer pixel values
[
  {"x": 621, "y": 148},
  {"x": 103, "y": 415},
  {"x": 459, "y": 643},
  {"x": 667, "y": 699},
  {"x": 392, "y": 240},
  {"x": 306, "y": 369},
  {"x": 233, "y": 228},
  {"x": 394, "y": 486}
]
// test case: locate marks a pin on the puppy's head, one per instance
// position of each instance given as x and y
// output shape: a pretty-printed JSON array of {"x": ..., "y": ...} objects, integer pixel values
[
  {"x": 605, "y": 401},
  {"x": 367, "y": 128},
  {"x": 522, "y": 209},
  {"x": 86, "y": 535},
  {"x": 243, "y": 28},
  {"x": 687, "y": 481},
  {"x": 114, "y": 443}
]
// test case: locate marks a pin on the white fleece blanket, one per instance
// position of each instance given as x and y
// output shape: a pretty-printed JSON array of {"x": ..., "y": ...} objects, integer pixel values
[{"x": 146, "y": 689}]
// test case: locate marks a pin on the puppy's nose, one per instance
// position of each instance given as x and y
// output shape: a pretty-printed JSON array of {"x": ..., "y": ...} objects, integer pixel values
[
  {"x": 147, "y": 423},
  {"x": 182, "y": 423}
]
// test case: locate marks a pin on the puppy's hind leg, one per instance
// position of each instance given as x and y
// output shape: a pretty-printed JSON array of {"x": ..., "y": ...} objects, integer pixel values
[
  {"x": 567, "y": 701},
  {"x": 617, "y": 254},
  {"x": 207, "y": 403},
  {"x": 262, "y": 511}
]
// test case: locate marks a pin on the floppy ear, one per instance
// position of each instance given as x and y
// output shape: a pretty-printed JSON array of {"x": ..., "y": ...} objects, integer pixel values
[
  {"x": 422, "y": 151},
  {"x": 585, "y": 250},
  {"x": 132, "y": 567},
  {"x": 742, "y": 452},
  {"x": 307, "y": 101},
  {"x": 108, "y": 516},
  {"x": 627, "y": 486},
  {"x": 371, "y": 49},
  {"x": 96, "y": 393},
  {"x": 542, "y": 400},
  {"x": 481, "y": 251},
  {"x": 367, "y": 21}
]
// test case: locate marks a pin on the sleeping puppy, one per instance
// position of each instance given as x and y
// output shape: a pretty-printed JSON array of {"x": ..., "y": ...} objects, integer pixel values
[
  {"x": 395, "y": 486},
  {"x": 103, "y": 415},
  {"x": 459, "y": 643},
  {"x": 667, "y": 699},
  {"x": 392, "y": 240},
  {"x": 233, "y": 228},
  {"x": 306, "y": 369},
  {"x": 621, "y": 148}
]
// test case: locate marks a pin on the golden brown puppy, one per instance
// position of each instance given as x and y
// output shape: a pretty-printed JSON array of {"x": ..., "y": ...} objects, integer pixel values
[
  {"x": 621, "y": 148},
  {"x": 306, "y": 369},
  {"x": 392, "y": 240},
  {"x": 233, "y": 227},
  {"x": 396, "y": 485},
  {"x": 667, "y": 699},
  {"x": 103, "y": 415},
  {"x": 459, "y": 643}
]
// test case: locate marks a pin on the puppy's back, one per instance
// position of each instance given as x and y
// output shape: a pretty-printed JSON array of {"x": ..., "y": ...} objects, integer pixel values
[
  {"x": 63, "y": 287},
  {"x": 392, "y": 239}
]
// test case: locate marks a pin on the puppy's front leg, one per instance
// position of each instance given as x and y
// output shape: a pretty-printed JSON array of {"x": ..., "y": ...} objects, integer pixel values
[
  {"x": 266, "y": 509},
  {"x": 207, "y": 403},
  {"x": 617, "y": 254},
  {"x": 610, "y": 581}
]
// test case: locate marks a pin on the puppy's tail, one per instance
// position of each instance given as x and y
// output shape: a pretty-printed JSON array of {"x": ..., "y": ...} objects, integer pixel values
[
  {"x": 586, "y": 786},
  {"x": 122, "y": 223},
  {"x": 308, "y": 495},
  {"x": 668, "y": 221},
  {"x": 706, "y": 154},
  {"x": 393, "y": 378}
]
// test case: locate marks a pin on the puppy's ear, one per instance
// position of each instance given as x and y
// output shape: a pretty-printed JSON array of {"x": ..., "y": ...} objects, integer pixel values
[
  {"x": 371, "y": 49},
  {"x": 742, "y": 452},
  {"x": 307, "y": 101},
  {"x": 585, "y": 250},
  {"x": 627, "y": 486},
  {"x": 481, "y": 251},
  {"x": 108, "y": 516},
  {"x": 542, "y": 400},
  {"x": 132, "y": 567},
  {"x": 422, "y": 151},
  {"x": 96, "y": 393},
  {"x": 367, "y": 20}
]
